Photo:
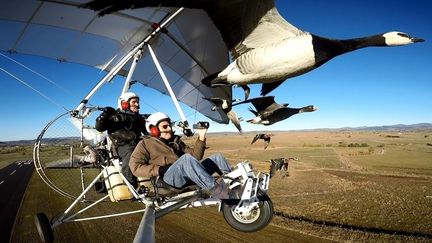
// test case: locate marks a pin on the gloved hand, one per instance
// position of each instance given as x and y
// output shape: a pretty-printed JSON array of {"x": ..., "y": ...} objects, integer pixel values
[
  {"x": 109, "y": 111},
  {"x": 106, "y": 114}
]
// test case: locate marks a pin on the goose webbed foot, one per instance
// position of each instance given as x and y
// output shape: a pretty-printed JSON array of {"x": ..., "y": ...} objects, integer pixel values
[{"x": 246, "y": 91}]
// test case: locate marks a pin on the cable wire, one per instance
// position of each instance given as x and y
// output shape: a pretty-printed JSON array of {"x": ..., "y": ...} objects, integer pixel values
[
  {"x": 37, "y": 73},
  {"x": 37, "y": 91}
]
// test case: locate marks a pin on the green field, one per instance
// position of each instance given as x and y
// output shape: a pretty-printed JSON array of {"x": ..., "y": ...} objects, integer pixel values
[
  {"x": 346, "y": 186},
  {"x": 10, "y": 154}
]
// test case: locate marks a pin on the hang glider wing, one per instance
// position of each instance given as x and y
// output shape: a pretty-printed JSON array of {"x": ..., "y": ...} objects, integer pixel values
[{"x": 191, "y": 49}]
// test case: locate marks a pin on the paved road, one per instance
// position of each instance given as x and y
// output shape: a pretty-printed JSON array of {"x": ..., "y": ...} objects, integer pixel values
[{"x": 13, "y": 182}]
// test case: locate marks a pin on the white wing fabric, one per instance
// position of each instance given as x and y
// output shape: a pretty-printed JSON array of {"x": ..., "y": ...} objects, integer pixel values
[{"x": 62, "y": 31}]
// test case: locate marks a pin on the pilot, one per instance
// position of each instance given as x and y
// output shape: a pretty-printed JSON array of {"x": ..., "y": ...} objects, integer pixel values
[
  {"x": 165, "y": 155},
  {"x": 125, "y": 127}
]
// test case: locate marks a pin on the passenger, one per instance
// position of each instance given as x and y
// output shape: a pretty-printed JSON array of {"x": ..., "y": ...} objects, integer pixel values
[
  {"x": 125, "y": 127},
  {"x": 165, "y": 155}
]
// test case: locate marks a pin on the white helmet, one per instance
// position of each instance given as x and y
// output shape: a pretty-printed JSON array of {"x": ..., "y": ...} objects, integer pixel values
[
  {"x": 154, "y": 119},
  {"x": 125, "y": 97}
]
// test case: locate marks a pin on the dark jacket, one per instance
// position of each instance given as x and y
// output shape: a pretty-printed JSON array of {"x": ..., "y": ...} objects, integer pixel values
[
  {"x": 123, "y": 126},
  {"x": 152, "y": 153}
]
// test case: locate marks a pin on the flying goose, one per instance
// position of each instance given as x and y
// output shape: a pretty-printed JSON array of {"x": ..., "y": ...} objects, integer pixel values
[
  {"x": 265, "y": 48},
  {"x": 264, "y": 136},
  {"x": 226, "y": 107},
  {"x": 269, "y": 112}
]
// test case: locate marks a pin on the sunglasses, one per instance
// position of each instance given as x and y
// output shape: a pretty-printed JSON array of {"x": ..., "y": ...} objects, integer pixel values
[{"x": 166, "y": 126}]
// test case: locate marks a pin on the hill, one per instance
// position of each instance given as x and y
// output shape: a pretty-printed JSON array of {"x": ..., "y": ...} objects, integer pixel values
[{"x": 397, "y": 127}]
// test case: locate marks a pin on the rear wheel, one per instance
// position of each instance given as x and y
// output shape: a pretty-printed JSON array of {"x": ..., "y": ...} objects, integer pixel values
[
  {"x": 253, "y": 220},
  {"x": 44, "y": 228}
]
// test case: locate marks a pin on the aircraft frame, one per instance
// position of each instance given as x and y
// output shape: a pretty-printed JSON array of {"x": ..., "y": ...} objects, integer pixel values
[{"x": 252, "y": 211}]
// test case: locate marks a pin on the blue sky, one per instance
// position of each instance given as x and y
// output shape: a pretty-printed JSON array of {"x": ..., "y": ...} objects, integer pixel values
[{"x": 372, "y": 86}]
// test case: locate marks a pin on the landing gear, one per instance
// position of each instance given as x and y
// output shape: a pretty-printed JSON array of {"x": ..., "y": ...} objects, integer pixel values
[
  {"x": 249, "y": 217},
  {"x": 44, "y": 228}
]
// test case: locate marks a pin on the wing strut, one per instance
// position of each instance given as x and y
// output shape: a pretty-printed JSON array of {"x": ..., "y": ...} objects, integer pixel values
[
  {"x": 167, "y": 84},
  {"x": 126, "y": 85},
  {"x": 123, "y": 62}
]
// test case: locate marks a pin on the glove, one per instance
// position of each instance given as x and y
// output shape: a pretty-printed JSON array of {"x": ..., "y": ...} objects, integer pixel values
[
  {"x": 109, "y": 111},
  {"x": 163, "y": 170}
]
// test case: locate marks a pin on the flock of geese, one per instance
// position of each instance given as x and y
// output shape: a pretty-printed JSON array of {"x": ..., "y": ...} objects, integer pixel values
[{"x": 265, "y": 49}]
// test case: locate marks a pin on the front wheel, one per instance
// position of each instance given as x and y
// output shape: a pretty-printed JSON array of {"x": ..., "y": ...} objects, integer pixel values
[
  {"x": 44, "y": 228},
  {"x": 254, "y": 219}
]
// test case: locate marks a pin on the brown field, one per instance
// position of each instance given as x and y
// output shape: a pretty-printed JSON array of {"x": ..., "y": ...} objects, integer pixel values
[{"x": 346, "y": 186}]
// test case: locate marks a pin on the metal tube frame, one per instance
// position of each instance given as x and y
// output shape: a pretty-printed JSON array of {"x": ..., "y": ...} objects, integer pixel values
[
  {"x": 146, "y": 230},
  {"x": 126, "y": 85},
  {"x": 153, "y": 211},
  {"x": 37, "y": 163}
]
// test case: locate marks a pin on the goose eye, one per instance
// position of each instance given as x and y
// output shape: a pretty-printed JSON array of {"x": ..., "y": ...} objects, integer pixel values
[{"x": 404, "y": 35}]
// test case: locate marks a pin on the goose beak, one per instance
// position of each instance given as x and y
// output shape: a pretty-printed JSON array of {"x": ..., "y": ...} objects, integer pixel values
[{"x": 417, "y": 40}]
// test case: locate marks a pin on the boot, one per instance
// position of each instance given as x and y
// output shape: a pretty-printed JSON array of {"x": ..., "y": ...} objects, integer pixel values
[{"x": 220, "y": 190}]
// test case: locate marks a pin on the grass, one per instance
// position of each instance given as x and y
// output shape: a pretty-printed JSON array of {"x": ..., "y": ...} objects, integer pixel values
[
  {"x": 10, "y": 154},
  {"x": 373, "y": 193}
]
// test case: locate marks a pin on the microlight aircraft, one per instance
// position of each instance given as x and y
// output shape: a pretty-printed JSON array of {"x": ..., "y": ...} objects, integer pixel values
[{"x": 167, "y": 49}]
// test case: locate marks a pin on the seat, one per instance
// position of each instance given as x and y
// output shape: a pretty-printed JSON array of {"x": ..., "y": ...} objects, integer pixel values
[{"x": 156, "y": 187}]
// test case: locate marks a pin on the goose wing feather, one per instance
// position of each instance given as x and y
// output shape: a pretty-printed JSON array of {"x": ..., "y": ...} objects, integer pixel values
[
  {"x": 264, "y": 103},
  {"x": 261, "y": 21},
  {"x": 274, "y": 106},
  {"x": 260, "y": 103},
  {"x": 266, "y": 144},
  {"x": 255, "y": 138},
  {"x": 253, "y": 111}
]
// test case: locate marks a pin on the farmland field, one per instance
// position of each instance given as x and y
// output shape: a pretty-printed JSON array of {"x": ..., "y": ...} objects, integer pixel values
[
  {"x": 14, "y": 153},
  {"x": 345, "y": 186}
]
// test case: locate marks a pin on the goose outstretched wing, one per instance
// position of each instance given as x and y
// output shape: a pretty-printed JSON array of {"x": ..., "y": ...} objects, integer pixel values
[
  {"x": 258, "y": 136},
  {"x": 262, "y": 25},
  {"x": 243, "y": 24}
]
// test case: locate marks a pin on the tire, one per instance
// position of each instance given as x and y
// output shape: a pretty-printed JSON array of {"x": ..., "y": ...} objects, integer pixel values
[
  {"x": 44, "y": 228},
  {"x": 260, "y": 218}
]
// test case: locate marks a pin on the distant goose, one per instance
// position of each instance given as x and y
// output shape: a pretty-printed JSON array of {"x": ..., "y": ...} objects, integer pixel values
[
  {"x": 269, "y": 112},
  {"x": 264, "y": 136},
  {"x": 265, "y": 48},
  {"x": 226, "y": 107}
]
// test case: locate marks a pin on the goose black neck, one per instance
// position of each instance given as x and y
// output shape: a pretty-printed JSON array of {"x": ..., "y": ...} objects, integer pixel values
[
  {"x": 334, "y": 47},
  {"x": 357, "y": 43}
]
